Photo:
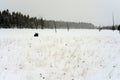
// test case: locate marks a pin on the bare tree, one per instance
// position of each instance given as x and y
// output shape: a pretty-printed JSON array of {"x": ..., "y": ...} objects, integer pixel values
[
  {"x": 42, "y": 23},
  {"x": 113, "y": 27},
  {"x": 100, "y": 28},
  {"x": 119, "y": 28},
  {"x": 55, "y": 26},
  {"x": 67, "y": 27}
]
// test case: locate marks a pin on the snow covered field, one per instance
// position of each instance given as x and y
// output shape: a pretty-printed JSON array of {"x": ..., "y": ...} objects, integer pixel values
[{"x": 75, "y": 55}]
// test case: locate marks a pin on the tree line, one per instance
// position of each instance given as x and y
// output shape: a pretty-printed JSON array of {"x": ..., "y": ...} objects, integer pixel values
[
  {"x": 18, "y": 20},
  {"x": 114, "y": 27}
]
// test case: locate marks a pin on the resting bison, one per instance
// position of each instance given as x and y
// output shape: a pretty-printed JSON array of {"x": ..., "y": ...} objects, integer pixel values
[{"x": 36, "y": 35}]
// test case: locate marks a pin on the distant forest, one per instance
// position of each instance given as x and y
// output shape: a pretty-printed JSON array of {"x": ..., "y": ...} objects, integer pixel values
[{"x": 19, "y": 20}]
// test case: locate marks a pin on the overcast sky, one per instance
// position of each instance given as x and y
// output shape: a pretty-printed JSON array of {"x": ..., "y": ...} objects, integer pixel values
[{"x": 93, "y": 11}]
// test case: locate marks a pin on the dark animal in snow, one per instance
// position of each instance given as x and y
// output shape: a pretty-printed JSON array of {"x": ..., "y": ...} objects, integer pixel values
[{"x": 36, "y": 35}]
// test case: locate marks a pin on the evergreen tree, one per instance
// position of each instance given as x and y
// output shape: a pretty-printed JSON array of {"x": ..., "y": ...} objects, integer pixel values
[
  {"x": 55, "y": 26},
  {"x": 113, "y": 28},
  {"x": 42, "y": 23},
  {"x": 67, "y": 27},
  {"x": 119, "y": 28}
]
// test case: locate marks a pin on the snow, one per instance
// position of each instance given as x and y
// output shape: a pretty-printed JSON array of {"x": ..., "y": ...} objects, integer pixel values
[{"x": 74, "y": 55}]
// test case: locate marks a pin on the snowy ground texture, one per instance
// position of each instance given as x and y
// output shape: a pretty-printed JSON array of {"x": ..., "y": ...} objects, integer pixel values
[{"x": 74, "y": 55}]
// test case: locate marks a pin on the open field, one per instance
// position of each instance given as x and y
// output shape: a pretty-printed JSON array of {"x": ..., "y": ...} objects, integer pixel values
[{"x": 74, "y": 55}]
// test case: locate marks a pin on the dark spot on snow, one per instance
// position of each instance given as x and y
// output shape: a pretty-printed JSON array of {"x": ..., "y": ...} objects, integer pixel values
[
  {"x": 72, "y": 79},
  {"x": 101, "y": 65},
  {"x": 65, "y": 44},
  {"x": 109, "y": 76},
  {"x": 20, "y": 66},
  {"x": 40, "y": 75},
  {"x": 43, "y": 77},
  {"x": 113, "y": 66},
  {"x": 64, "y": 73},
  {"x": 5, "y": 68},
  {"x": 36, "y": 35},
  {"x": 29, "y": 61},
  {"x": 83, "y": 61},
  {"x": 51, "y": 65},
  {"x": 78, "y": 66}
]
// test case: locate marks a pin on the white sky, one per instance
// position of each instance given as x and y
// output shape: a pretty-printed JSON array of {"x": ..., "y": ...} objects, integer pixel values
[{"x": 94, "y": 11}]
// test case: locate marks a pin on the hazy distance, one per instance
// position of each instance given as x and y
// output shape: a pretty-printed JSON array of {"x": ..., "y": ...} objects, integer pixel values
[{"x": 93, "y": 11}]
